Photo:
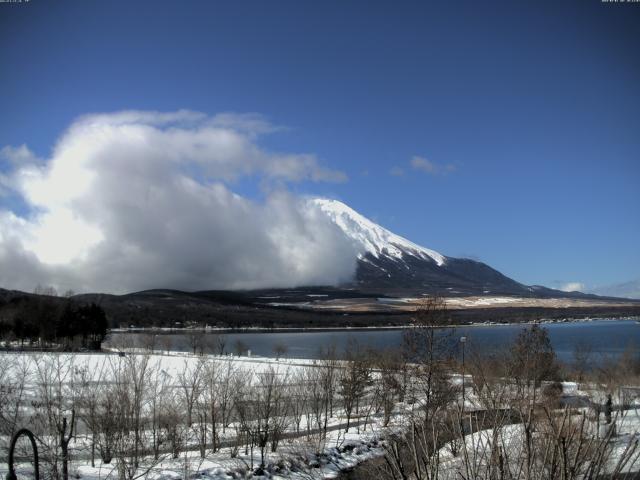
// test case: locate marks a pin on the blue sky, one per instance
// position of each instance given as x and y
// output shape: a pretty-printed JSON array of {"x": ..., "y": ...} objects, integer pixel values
[{"x": 523, "y": 116}]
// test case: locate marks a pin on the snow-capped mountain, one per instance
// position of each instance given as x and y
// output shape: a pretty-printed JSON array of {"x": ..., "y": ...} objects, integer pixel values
[
  {"x": 371, "y": 237},
  {"x": 390, "y": 263}
]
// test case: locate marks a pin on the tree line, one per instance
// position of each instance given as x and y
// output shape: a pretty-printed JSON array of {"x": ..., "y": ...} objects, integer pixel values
[{"x": 44, "y": 320}]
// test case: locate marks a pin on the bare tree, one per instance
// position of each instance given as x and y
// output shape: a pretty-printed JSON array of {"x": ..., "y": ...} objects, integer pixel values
[
  {"x": 190, "y": 382},
  {"x": 108, "y": 419},
  {"x": 582, "y": 360},
  {"x": 15, "y": 372},
  {"x": 298, "y": 396},
  {"x": 317, "y": 405},
  {"x": 55, "y": 409},
  {"x": 232, "y": 379},
  {"x": 195, "y": 341},
  {"x": 415, "y": 453},
  {"x": 263, "y": 411},
  {"x": 173, "y": 423},
  {"x": 271, "y": 409},
  {"x": 159, "y": 390},
  {"x": 148, "y": 341},
  {"x": 219, "y": 382},
  {"x": 90, "y": 382},
  {"x": 166, "y": 343},
  {"x": 132, "y": 377},
  {"x": 247, "y": 423},
  {"x": 329, "y": 367},
  {"x": 241, "y": 348},
  {"x": 279, "y": 350},
  {"x": 387, "y": 388},
  {"x": 354, "y": 379},
  {"x": 222, "y": 344},
  {"x": 48, "y": 291},
  {"x": 532, "y": 361},
  {"x": 210, "y": 343}
]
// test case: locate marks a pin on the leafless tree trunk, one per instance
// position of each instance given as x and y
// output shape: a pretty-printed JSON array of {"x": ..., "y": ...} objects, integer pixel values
[
  {"x": 131, "y": 375},
  {"x": 279, "y": 350},
  {"x": 355, "y": 377},
  {"x": 65, "y": 437},
  {"x": 160, "y": 390},
  {"x": 428, "y": 349},
  {"x": 317, "y": 400},
  {"x": 14, "y": 375},
  {"x": 390, "y": 368},
  {"x": 90, "y": 383},
  {"x": 298, "y": 397},
  {"x": 190, "y": 382},
  {"x": 56, "y": 400},
  {"x": 195, "y": 341},
  {"x": 173, "y": 423},
  {"x": 220, "y": 381}
]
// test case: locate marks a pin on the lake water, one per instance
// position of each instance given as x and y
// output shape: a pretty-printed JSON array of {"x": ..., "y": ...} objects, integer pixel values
[{"x": 605, "y": 338}]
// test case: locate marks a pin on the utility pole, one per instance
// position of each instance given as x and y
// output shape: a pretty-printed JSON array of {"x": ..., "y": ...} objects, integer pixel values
[{"x": 463, "y": 341}]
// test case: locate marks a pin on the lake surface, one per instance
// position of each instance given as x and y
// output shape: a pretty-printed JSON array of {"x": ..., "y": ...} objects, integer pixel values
[{"x": 605, "y": 339}]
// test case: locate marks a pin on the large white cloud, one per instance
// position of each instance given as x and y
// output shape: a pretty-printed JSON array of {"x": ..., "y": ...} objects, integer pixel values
[
  {"x": 572, "y": 287},
  {"x": 134, "y": 200}
]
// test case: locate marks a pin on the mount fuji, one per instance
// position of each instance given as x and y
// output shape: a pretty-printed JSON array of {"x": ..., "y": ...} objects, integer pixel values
[
  {"x": 392, "y": 273},
  {"x": 389, "y": 263}
]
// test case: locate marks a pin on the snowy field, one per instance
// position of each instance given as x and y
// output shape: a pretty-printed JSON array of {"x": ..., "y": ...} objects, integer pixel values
[
  {"x": 313, "y": 442},
  {"x": 307, "y": 454}
]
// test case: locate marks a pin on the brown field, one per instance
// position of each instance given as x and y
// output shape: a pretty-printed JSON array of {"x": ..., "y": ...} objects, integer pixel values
[{"x": 454, "y": 303}]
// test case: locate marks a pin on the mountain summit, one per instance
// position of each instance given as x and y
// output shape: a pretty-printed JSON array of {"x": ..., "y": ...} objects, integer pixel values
[
  {"x": 389, "y": 263},
  {"x": 371, "y": 237}
]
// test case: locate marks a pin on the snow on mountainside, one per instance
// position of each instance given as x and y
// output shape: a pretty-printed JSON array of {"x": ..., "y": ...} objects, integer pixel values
[
  {"x": 389, "y": 263},
  {"x": 371, "y": 237}
]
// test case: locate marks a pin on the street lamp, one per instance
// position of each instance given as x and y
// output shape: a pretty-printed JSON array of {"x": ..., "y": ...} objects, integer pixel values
[{"x": 463, "y": 340}]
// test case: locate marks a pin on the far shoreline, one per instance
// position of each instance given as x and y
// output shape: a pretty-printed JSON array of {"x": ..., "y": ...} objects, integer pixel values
[{"x": 225, "y": 330}]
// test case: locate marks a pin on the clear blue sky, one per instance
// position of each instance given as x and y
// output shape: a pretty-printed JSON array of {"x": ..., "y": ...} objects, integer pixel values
[{"x": 528, "y": 111}]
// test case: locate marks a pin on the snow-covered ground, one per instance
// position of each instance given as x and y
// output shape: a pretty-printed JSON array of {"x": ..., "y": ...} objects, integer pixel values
[
  {"x": 477, "y": 448},
  {"x": 303, "y": 455},
  {"x": 295, "y": 459}
]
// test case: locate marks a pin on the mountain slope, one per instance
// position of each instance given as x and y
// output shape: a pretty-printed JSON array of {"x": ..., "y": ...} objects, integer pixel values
[
  {"x": 389, "y": 263},
  {"x": 626, "y": 290},
  {"x": 371, "y": 237}
]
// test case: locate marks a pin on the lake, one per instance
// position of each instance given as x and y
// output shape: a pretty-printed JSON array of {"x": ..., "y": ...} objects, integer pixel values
[{"x": 605, "y": 338}]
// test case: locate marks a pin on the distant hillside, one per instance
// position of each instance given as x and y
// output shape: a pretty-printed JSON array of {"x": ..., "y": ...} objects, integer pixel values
[
  {"x": 233, "y": 310},
  {"x": 627, "y": 290}
]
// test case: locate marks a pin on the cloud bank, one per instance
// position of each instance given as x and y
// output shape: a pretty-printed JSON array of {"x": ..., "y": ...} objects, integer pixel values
[
  {"x": 572, "y": 287},
  {"x": 137, "y": 199},
  {"x": 423, "y": 165},
  {"x": 629, "y": 289},
  {"x": 431, "y": 168}
]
